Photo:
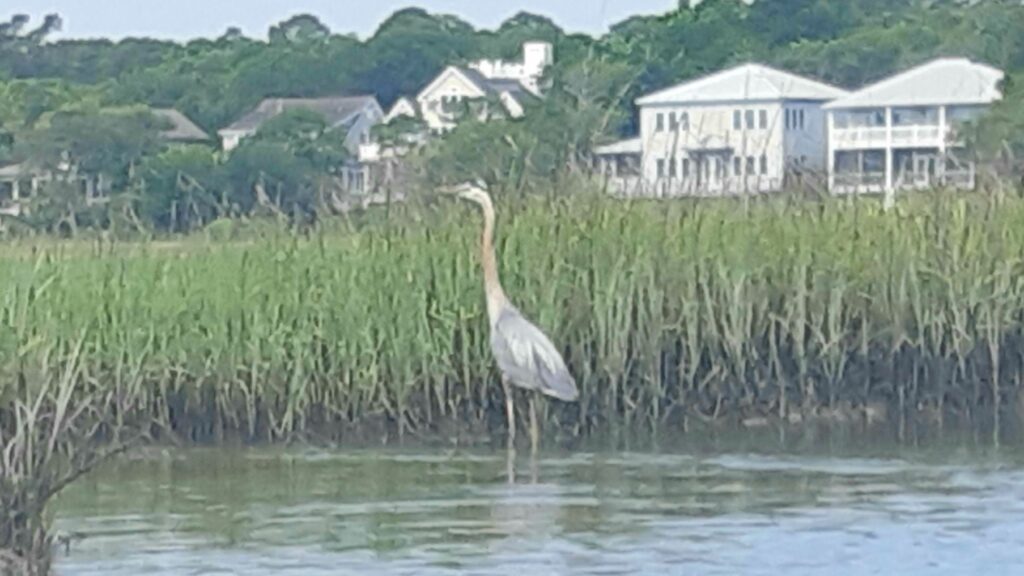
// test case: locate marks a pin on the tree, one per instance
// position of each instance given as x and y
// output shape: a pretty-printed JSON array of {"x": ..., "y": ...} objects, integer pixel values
[
  {"x": 300, "y": 29},
  {"x": 180, "y": 188},
  {"x": 101, "y": 145},
  {"x": 306, "y": 135},
  {"x": 13, "y": 33}
]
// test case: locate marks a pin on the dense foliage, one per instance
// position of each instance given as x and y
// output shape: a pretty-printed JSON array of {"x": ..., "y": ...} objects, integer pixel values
[{"x": 592, "y": 86}]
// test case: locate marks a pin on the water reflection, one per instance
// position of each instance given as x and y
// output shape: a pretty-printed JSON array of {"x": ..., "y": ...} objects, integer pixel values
[{"x": 427, "y": 512}]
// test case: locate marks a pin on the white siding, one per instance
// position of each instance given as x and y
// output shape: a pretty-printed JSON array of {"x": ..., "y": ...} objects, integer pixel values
[
  {"x": 452, "y": 85},
  {"x": 806, "y": 137},
  {"x": 709, "y": 129}
]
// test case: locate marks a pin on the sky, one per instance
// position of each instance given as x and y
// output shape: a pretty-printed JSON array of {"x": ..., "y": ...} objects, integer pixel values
[{"x": 185, "y": 19}]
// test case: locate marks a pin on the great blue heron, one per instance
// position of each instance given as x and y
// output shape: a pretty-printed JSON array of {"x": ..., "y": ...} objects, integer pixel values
[{"x": 525, "y": 355}]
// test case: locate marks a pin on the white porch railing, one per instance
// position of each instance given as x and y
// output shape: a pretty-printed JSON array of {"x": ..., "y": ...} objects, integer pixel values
[
  {"x": 924, "y": 136},
  {"x": 860, "y": 137},
  {"x": 874, "y": 182},
  {"x": 637, "y": 187}
]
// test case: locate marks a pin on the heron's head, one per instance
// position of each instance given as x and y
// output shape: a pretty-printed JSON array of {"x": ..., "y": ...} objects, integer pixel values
[{"x": 470, "y": 192}]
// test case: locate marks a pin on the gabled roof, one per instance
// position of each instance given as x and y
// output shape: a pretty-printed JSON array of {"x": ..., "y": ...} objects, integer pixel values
[
  {"x": 13, "y": 170},
  {"x": 182, "y": 128},
  {"x": 336, "y": 110},
  {"x": 492, "y": 85},
  {"x": 402, "y": 107},
  {"x": 483, "y": 85},
  {"x": 941, "y": 81},
  {"x": 747, "y": 82}
]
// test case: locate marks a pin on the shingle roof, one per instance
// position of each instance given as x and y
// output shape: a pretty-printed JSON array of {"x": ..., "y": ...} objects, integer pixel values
[
  {"x": 753, "y": 82},
  {"x": 491, "y": 86},
  {"x": 941, "y": 81},
  {"x": 335, "y": 110},
  {"x": 182, "y": 128}
]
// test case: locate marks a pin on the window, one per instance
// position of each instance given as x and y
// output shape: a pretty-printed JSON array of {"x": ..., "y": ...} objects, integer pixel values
[
  {"x": 764, "y": 165},
  {"x": 737, "y": 166},
  {"x": 673, "y": 123},
  {"x": 686, "y": 167},
  {"x": 672, "y": 168},
  {"x": 750, "y": 165},
  {"x": 795, "y": 120},
  {"x": 737, "y": 120},
  {"x": 763, "y": 119},
  {"x": 659, "y": 123},
  {"x": 750, "y": 119},
  {"x": 684, "y": 121},
  {"x": 661, "y": 168},
  {"x": 917, "y": 116}
]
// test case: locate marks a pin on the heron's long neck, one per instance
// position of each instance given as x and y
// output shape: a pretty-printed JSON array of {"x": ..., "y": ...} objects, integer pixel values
[{"x": 492, "y": 284}]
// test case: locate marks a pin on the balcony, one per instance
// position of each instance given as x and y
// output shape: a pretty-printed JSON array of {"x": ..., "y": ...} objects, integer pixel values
[
  {"x": 874, "y": 182},
  {"x": 923, "y": 136}
]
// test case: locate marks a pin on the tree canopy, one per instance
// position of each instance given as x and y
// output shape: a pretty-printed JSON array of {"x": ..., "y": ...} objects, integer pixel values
[{"x": 54, "y": 90}]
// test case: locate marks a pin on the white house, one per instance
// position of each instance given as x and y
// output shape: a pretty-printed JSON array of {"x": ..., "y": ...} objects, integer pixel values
[
  {"x": 901, "y": 133},
  {"x": 440, "y": 101},
  {"x": 355, "y": 115},
  {"x": 741, "y": 130},
  {"x": 537, "y": 57},
  {"x": 510, "y": 83}
]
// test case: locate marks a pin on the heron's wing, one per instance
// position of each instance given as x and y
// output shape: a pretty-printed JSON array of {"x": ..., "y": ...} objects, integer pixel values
[{"x": 528, "y": 358}]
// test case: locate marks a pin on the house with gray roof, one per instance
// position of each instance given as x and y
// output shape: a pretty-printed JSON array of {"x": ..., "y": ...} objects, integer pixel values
[
  {"x": 439, "y": 101},
  {"x": 905, "y": 131},
  {"x": 741, "y": 130},
  {"x": 355, "y": 115}
]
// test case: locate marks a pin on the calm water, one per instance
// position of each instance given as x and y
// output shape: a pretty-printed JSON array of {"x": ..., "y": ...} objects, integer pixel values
[{"x": 940, "y": 510}]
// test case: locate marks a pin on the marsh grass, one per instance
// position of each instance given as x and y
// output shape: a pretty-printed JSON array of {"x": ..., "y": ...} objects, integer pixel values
[
  {"x": 56, "y": 424},
  {"x": 668, "y": 313}
]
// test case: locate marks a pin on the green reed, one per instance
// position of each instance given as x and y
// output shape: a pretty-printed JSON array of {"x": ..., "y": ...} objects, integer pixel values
[{"x": 666, "y": 311}]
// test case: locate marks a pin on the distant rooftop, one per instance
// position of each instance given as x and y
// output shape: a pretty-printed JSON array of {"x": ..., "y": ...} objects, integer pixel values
[
  {"x": 182, "y": 128},
  {"x": 747, "y": 82},
  {"x": 491, "y": 86},
  {"x": 938, "y": 82},
  {"x": 335, "y": 110}
]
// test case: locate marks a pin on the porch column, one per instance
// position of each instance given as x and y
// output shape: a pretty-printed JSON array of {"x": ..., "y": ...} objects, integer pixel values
[
  {"x": 890, "y": 192},
  {"x": 940, "y": 167},
  {"x": 15, "y": 189},
  {"x": 830, "y": 163}
]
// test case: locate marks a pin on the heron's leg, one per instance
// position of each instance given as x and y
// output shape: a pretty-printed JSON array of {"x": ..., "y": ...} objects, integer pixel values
[
  {"x": 510, "y": 413},
  {"x": 534, "y": 426}
]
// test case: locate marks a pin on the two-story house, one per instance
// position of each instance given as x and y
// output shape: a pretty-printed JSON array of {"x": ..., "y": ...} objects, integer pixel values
[
  {"x": 737, "y": 131},
  {"x": 441, "y": 102},
  {"x": 509, "y": 85},
  {"x": 901, "y": 133},
  {"x": 354, "y": 116}
]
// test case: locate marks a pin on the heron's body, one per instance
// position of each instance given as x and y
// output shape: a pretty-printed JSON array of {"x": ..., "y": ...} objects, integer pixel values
[
  {"x": 528, "y": 359},
  {"x": 524, "y": 354}
]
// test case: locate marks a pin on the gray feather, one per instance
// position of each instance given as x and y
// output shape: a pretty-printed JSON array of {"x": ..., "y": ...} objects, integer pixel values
[{"x": 528, "y": 359}]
